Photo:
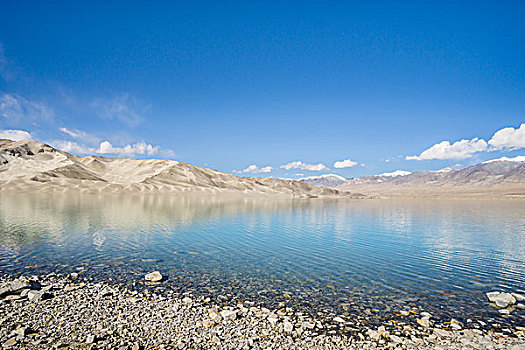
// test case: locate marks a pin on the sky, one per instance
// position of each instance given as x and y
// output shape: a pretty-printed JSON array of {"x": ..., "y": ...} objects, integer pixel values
[{"x": 271, "y": 88}]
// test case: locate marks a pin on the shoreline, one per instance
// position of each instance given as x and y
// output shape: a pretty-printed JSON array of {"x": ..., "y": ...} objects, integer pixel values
[{"x": 70, "y": 311}]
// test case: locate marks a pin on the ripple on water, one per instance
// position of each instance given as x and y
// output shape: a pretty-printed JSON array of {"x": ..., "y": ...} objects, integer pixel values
[{"x": 437, "y": 255}]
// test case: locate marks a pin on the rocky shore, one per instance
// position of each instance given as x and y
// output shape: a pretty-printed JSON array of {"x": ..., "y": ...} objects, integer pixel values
[{"x": 72, "y": 312}]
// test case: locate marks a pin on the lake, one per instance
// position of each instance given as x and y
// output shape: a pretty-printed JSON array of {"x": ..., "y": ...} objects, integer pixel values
[{"x": 366, "y": 257}]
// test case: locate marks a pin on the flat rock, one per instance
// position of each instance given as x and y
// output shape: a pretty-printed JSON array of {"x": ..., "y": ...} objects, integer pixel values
[
  {"x": 38, "y": 295},
  {"x": 501, "y": 299}
]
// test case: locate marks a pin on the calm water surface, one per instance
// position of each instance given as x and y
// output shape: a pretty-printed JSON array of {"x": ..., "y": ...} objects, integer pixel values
[{"x": 342, "y": 255}]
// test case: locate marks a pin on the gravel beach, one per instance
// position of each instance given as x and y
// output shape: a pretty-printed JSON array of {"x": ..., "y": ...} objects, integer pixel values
[{"x": 70, "y": 312}]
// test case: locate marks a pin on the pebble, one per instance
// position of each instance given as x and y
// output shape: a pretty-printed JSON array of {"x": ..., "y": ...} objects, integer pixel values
[
  {"x": 424, "y": 322},
  {"x": 229, "y": 315},
  {"x": 518, "y": 297},
  {"x": 161, "y": 319}
]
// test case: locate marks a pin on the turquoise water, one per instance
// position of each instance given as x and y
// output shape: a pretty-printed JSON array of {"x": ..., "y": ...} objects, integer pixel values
[{"x": 342, "y": 255}]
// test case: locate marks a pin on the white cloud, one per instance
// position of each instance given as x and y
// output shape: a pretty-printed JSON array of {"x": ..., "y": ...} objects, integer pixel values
[
  {"x": 73, "y": 147},
  {"x": 81, "y": 135},
  {"x": 16, "y": 109},
  {"x": 347, "y": 163},
  {"x": 255, "y": 169},
  {"x": 509, "y": 138},
  {"x": 70, "y": 133},
  {"x": 123, "y": 108},
  {"x": 304, "y": 166},
  {"x": 15, "y": 135},
  {"x": 142, "y": 147},
  {"x": 105, "y": 147},
  {"x": 458, "y": 150}
]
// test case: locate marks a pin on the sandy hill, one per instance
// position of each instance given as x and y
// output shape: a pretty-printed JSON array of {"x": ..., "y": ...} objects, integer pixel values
[
  {"x": 497, "y": 178},
  {"x": 34, "y": 166}
]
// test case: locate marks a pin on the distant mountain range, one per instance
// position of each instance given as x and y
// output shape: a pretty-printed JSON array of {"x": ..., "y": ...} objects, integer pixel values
[
  {"x": 506, "y": 175},
  {"x": 326, "y": 180},
  {"x": 497, "y": 177},
  {"x": 29, "y": 166}
]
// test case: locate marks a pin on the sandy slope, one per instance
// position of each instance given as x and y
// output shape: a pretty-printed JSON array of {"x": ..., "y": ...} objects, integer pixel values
[{"x": 28, "y": 166}]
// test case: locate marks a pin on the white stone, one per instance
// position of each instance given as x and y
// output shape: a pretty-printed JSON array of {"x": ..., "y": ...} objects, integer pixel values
[
  {"x": 373, "y": 334},
  {"x": 154, "y": 276},
  {"x": 423, "y": 322},
  {"x": 502, "y": 300},
  {"x": 229, "y": 315}
]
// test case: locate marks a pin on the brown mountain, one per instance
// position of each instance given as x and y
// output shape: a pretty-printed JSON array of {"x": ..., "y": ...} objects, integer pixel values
[{"x": 497, "y": 178}]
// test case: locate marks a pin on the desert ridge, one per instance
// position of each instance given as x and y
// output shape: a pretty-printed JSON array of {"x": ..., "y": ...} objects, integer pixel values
[{"x": 35, "y": 166}]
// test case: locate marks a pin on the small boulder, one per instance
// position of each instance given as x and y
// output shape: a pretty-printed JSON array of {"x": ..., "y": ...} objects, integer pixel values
[
  {"x": 38, "y": 295},
  {"x": 154, "y": 276}
]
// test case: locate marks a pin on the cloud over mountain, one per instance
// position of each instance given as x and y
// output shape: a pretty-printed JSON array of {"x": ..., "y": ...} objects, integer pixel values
[
  {"x": 506, "y": 138},
  {"x": 457, "y": 150},
  {"x": 509, "y": 138},
  {"x": 300, "y": 165},
  {"x": 254, "y": 169},
  {"x": 15, "y": 135}
]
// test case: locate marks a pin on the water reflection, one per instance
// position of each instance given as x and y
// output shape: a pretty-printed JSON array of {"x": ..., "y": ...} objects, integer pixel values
[{"x": 321, "y": 253}]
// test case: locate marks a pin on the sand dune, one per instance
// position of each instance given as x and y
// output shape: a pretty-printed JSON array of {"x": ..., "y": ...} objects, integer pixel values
[{"x": 29, "y": 166}]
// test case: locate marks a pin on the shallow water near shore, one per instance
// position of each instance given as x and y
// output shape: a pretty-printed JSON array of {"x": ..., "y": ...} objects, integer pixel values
[{"x": 366, "y": 257}]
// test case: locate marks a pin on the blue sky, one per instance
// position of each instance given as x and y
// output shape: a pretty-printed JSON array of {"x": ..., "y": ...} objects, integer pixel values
[{"x": 290, "y": 87}]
